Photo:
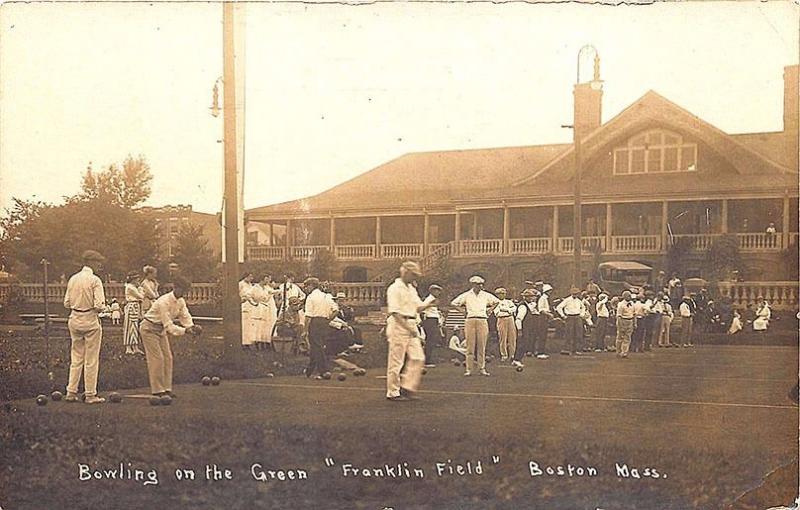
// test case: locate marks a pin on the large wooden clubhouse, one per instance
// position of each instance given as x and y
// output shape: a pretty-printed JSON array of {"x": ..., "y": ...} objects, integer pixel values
[{"x": 653, "y": 174}]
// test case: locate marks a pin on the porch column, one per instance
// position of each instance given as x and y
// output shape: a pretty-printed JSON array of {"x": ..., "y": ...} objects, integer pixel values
[
  {"x": 609, "y": 223},
  {"x": 426, "y": 227},
  {"x": 457, "y": 237},
  {"x": 289, "y": 235},
  {"x": 475, "y": 225},
  {"x": 333, "y": 234},
  {"x": 506, "y": 230},
  {"x": 786, "y": 226},
  {"x": 724, "y": 216},
  {"x": 664, "y": 227},
  {"x": 377, "y": 236},
  {"x": 555, "y": 229},
  {"x": 271, "y": 234}
]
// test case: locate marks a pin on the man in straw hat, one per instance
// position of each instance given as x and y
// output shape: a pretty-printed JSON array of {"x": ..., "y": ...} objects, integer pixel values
[
  {"x": 525, "y": 322},
  {"x": 572, "y": 309},
  {"x": 506, "y": 330},
  {"x": 478, "y": 304},
  {"x": 85, "y": 299},
  {"x": 404, "y": 306},
  {"x": 626, "y": 315}
]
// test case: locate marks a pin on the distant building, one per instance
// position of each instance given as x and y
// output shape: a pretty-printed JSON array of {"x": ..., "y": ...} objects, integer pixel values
[
  {"x": 653, "y": 175},
  {"x": 169, "y": 220}
]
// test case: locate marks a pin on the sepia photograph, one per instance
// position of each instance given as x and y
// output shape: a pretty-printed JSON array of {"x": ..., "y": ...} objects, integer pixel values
[{"x": 399, "y": 255}]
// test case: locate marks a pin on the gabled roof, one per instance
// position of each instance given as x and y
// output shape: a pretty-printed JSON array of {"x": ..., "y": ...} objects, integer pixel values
[
  {"x": 652, "y": 108},
  {"x": 424, "y": 178}
]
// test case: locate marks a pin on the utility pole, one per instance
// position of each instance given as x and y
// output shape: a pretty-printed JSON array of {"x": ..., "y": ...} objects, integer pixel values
[
  {"x": 231, "y": 317},
  {"x": 45, "y": 263}
]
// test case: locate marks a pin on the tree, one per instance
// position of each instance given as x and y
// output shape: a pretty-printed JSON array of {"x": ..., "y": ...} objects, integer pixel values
[
  {"x": 678, "y": 255},
  {"x": 722, "y": 258},
  {"x": 100, "y": 217},
  {"x": 126, "y": 187},
  {"x": 322, "y": 264},
  {"x": 192, "y": 254}
]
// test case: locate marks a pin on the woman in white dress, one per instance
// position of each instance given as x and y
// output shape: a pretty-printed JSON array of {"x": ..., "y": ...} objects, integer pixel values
[
  {"x": 149, "y": 287},
  {"x": 269, "y": 310},
  {"x": 249, "y": 311},
  {"x": 736, "y": 323},
  {"x": 763, "y": 315},
  {"x": 133, "y": 313}
]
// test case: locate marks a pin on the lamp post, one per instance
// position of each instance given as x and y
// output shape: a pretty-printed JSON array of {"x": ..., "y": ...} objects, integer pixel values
[{"x": 577, "y": 133}]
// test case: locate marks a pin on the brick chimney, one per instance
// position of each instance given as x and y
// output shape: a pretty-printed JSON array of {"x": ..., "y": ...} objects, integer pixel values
[
  {"x": 791, "y": 112},
  {"x": 588, "y": 103}
]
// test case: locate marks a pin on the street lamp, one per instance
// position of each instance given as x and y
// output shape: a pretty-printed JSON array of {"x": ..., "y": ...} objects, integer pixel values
[
  {"x": 215, "y": 109},
  {"x": 595, "y": 84}
]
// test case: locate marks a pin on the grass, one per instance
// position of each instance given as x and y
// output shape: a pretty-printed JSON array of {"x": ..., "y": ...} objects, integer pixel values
[{"x": 594, "y": 411}]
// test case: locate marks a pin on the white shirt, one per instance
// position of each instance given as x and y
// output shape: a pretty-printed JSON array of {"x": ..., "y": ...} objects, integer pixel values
[
  {"x": 403, "y": 299},
  {"x": 433, "y": 311},
  {"x": 522, "y": 311},
  {"x": 685, "y": 310},
  {"x": 85, "y": 297},
  {"x": 626, "y": 310},
  {"x": 292, "y": 291},
  {"x": 476, "y": 304},
  {"x": 166, "y": 310},
  {"x": 320, "y": 304},
  {"x": 602, "y": 309},
  {"x": 133, "y": 293},
  {"x": 571, "y": 306},
  {"x": 505, "y": 308},
  {"x": 544, "y": 304}
]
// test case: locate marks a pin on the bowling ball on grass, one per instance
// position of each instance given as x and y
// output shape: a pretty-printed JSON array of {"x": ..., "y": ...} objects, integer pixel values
[
  {"x": 56, "y": 396},
  {"x": 520, "y": 369},
  {"x": 114, "y": 398},
  {"x": 215, "y": 381},
  {"x": 205, "y": 381},
  {"x": 165, "y": 400},
  {"x": 341, "y": 377},
  {"x": 41, "y": 400}
]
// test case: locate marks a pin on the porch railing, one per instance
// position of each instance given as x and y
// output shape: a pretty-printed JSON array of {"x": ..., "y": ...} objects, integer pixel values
[
  {"x": 307, "y": 252},
  {"x": 759, "y": 241},
  {"x": 364, "y": 294},
  {"x": 355, "y": 251},
  {"x": 698, "y": 242},
  {"x": 636, "y": 244},
  {"x": 532, "y": 245},
  {"x": 779, "y": 295},
  {"x": 266, "y": 252},
  {"x": 399, "y": 251},
  {"x": 481, "y": 247},
  {"x": 588, "y": 243}
]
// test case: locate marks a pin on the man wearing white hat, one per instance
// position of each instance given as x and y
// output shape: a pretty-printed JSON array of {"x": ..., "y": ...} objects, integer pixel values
[
  {"x": 506, "y": 330},
  {"x": 404, "y": 306},
  {"x": 477, "y": 303},
  {"x": 545, "y": 314}
]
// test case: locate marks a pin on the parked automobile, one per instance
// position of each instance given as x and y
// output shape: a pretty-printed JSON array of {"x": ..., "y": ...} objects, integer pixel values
[{"x": 619, "y": 276}]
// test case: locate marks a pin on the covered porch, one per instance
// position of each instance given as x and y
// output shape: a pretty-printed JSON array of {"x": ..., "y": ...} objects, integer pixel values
[{"x": 643, "y": 227}]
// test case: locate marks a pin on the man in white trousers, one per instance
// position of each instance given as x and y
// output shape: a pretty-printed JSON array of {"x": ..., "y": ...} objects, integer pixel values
[
  {"x": 404, "y": 307},
  {"x": 478, "y": 304},
  {"x": 85, "y": 299}
]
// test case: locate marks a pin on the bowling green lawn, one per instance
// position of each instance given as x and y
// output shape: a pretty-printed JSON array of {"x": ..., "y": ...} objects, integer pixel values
[{"x": 713, "y": 423}]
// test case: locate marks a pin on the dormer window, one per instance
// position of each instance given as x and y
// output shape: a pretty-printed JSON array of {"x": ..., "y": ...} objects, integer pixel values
[{"x": 655, "y": 151}]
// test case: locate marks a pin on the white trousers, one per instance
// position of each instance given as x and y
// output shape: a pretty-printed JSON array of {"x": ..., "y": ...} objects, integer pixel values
[
  {"x": 84, "y": 355},
  {"x": 401, "y": 344}
]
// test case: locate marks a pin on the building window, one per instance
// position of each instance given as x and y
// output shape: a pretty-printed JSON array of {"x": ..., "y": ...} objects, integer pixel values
[{"x": 655, "y": 151}]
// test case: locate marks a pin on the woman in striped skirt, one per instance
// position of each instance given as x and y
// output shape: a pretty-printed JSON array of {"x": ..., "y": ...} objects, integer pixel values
[{"x": 133, "y": 312}]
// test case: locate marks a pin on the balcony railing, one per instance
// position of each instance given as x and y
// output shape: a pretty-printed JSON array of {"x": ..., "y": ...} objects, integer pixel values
[
  {"x": 307, "y": 252},
  {"x": 482, "y": 247},
  {"x": 588, "y": 243},
  {"x": 266, "y": 252},
  {"x": 355, "y": 251},
  {"x": 399, "y": 251},
  {"x": 532, "y": 245},
  {"x": 759, "y": 241},
  {"x": 636, "y": 244},
  {"x": 698, "y": 242},
  {"x": 645, "y": 244}
]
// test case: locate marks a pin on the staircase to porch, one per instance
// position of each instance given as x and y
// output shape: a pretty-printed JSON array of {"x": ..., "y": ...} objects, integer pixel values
[{"x": 427, "y": 262}]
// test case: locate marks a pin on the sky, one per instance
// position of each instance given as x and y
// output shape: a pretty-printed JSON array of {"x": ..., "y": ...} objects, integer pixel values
[{"x": 335, "y": 90}]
